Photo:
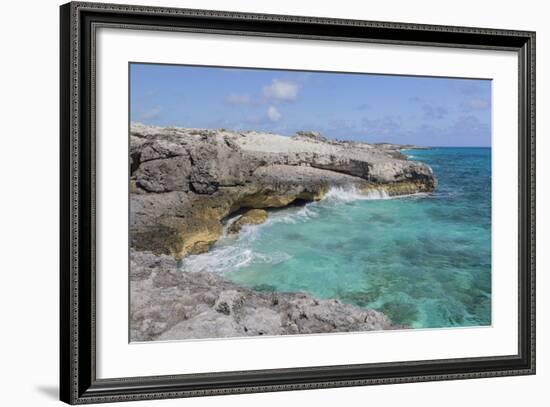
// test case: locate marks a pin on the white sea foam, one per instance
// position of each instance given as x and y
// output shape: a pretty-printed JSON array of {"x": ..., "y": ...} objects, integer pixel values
[
  {"x": 376, "y": 194},
  {"x": 293, "y": 215},
  {"x": 351, "y": 194},
  {"x": 218, "y": 260},
  {"x": 232, "y": 252}
]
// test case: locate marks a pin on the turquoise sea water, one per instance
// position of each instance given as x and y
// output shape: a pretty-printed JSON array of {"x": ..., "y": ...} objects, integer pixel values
[{"x": 424, "y": 260}]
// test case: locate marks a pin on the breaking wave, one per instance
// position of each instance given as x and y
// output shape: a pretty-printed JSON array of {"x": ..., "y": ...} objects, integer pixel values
[
  {"x": 226, "y": 258},
  {"x": 231, "y": 253},
  {"x": 293, "y": 215},
  {"x": 422, "y": 259},
  {"x": 353, "y": 194},
  {"x": 235, "y": 251},
  {"x": 350, "y": 194}
]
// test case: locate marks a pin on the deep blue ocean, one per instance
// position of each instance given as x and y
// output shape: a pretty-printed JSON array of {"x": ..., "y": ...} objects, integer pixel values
[{"x": 424, "y": 260}]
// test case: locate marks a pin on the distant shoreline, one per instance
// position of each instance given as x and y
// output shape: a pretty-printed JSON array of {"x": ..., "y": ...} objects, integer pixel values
[
  {"x": 209, "y": 174},
  {"x": 185, "y": 182}
]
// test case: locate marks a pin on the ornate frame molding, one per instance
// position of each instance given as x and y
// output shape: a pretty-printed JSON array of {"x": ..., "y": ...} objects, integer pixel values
[{"x": 79, "y": 21}]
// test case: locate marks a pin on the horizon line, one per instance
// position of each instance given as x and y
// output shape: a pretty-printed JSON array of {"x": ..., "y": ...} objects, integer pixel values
[{"x": 132, "y": 122}]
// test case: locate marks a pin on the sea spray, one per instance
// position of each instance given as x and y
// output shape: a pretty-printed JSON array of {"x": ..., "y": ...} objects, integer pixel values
[
  {"x": 351, "y": 193},
  {"x": 235, "y": 251},
  {"x": 422, "y": 259},
  {"x": 292, "y": 215},
  {"x": 231, "y": 252}
]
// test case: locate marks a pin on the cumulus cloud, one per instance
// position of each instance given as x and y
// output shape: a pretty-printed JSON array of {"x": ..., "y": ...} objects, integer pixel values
[
  {"x": 273, "y": 114},
  {"x": 341, "y": 124},
  {"x": 476, "y": 104},
  {"x": 434, "y": 112},
  {"x": 150, "y": 114},
  {"x": 363, "y": 106},
  {"x": 472, "y": 87},
  {"x": 471, "y": 125},
  {"x": 381, "y": 127},
  {"x": 281, "y": 90},
  {"x": 237, "y": 99}
]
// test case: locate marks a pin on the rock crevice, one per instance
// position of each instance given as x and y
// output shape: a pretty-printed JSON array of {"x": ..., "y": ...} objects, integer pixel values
[
  {"x": 184, "y": 182},
  {"x": 170, "y": 304}
]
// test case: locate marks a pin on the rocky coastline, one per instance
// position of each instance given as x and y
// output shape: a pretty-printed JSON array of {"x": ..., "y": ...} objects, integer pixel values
[
  {"x": 185, "y": 183},
  {"x": 170, "y": 304}
]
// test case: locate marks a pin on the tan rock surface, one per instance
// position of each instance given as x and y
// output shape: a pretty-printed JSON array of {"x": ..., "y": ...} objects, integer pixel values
[{"x": 184, "y": 182}]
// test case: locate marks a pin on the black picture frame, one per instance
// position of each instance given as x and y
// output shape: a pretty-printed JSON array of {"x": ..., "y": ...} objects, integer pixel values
[{"x": 78, "y": 382}]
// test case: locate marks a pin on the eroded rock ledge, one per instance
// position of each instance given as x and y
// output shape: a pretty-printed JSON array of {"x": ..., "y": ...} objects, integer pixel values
[
  {"x": 170, "y": 304},
  {"x": 184, "y": 182}
]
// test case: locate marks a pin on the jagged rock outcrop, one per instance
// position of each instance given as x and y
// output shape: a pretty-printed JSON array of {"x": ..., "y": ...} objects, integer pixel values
[
  {"x": 251, "y": 217},
  {"x": 184, "y": 182},
  {"x": 170, "y": 304}
]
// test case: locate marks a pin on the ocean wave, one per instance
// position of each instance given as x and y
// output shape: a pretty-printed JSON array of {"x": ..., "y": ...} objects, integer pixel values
[
  {"x": 350, "y": 194},
  {"x": 232, "y": 252},
  {"x": 235, "y": 251},
  {"x": 218, "y": 260},
  {"x": 293, "y": 215},
  {"x": 229, "y": 258}
]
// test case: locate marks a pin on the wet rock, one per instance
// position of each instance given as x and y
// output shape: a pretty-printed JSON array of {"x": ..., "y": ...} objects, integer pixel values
[
  {"x": 251, "y": 217},
  {"x": 184, "y": 182},
  {"x": 171, "y": 304}
]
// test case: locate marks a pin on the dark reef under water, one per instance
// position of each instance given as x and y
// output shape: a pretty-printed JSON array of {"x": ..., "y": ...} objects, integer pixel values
[{"x": 423, "y": 260}]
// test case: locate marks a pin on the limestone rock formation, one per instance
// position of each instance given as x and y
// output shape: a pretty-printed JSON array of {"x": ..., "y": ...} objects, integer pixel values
[
  {"x": 184, "y": 182},
  {"x": 251, "y": 217},
  {"x": 170, "y": 304},
  {"x": 184, "y": 185}
]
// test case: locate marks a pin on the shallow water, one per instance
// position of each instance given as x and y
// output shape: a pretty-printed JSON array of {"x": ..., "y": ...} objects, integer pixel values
[{"x": 424, "y": 260}]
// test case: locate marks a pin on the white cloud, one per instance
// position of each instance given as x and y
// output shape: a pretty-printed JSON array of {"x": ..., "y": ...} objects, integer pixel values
[
  {"x": 273, "y": 114},
  {"x": 282, "y": 90},
  {"x": 432, "y": 112},
  {"x": 237, "y": 99},
  {"x": 476, "y": 104},
  {"x": 151, "y": 114}
]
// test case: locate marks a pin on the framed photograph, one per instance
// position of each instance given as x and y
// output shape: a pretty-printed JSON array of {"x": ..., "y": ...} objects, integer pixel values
[{"x": 254, "y": 203}]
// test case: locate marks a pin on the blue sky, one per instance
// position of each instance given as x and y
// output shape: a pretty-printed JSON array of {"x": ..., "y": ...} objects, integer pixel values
[{"x": 373, "y": 108}]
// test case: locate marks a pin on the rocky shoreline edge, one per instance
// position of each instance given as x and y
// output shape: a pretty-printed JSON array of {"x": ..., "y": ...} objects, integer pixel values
[
  {"x": 171, "y": 304},
  {"x": 185, "y": 184}
]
